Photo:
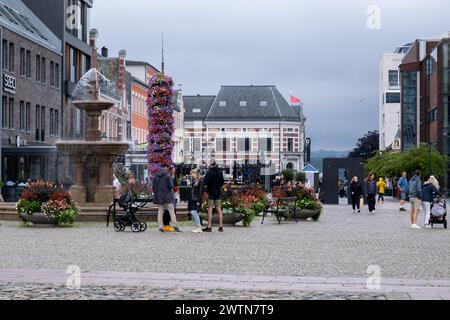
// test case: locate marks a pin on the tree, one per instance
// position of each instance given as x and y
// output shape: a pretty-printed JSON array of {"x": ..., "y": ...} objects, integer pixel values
[
  {"x": 300, "y": 177},
  {"x": 366, "y": 145},
  {"x": 424, "y": 158},
  {"x": 289, "y": 174}
]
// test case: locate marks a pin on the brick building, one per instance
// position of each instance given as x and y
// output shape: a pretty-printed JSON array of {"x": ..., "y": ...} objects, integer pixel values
[
  {"x": 31, "y": 94},
  {"x": 244, "y": 125}
]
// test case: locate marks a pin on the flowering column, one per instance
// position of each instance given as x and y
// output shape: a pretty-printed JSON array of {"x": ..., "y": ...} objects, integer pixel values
[{"x": 161, "y": 122}]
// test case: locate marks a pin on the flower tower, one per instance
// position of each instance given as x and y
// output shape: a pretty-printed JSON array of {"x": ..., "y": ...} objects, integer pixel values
[{"x": 161, "y": 122}]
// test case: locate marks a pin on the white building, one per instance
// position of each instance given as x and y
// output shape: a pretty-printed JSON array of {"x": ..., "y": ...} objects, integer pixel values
[
  {"x": 244, "y": 124},
  {"x": 390, "y": 98}
]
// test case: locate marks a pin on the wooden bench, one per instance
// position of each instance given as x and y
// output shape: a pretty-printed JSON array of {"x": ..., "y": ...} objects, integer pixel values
[{"x": 285, "y": 207}]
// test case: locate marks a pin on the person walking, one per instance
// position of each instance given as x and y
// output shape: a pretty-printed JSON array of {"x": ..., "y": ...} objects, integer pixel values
[
  {"x": 164, "y": 197},
  {"x": 214, "y": 182},
  {"x": 371, "y": 190},
  {"x": 381, "y": 185},
  {"x": 356, "y": 194},
  {"x": 430, "y": 191},
  {"x": 415, "y": 194},
  {"x": 403, "y": 187},
  {"x": 196, "y": 199}
]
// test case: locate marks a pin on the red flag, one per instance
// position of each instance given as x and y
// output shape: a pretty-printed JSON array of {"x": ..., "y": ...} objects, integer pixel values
[{"x": 295, "y": 100}]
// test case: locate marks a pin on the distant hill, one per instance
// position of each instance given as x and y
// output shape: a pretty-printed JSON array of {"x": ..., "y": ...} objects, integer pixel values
[{"x": 318, "y": 156}]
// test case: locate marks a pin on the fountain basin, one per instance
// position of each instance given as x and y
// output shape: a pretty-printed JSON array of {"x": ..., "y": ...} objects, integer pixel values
[
  {"x": 83, "y": 148},
  {"x": 93, "y": 106}
]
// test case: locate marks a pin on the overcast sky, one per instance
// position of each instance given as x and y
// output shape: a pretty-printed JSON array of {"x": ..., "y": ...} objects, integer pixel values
[{"x": 321, "y": 50}]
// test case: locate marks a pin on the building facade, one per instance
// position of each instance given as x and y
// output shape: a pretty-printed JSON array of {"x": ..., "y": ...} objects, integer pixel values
[
  {"x": 31, "y": 95},
  {"x": 389, "y": 95},
  {"x": 244, "y": 125},
  {"x": 69, "y": 20},
  {"x": 425, "y": 75}
]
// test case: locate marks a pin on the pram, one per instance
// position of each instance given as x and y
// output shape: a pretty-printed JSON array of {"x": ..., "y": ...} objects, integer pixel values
[
  {"x": 439, "y": 212},
  {"x": 128, "y": 218}
]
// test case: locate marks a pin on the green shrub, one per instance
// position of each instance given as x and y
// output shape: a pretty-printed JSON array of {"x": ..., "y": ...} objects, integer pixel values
[{"x": 28, "y": 207}]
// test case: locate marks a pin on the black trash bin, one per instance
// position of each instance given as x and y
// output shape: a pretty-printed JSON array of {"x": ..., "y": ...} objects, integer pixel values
[{"x": 10, "y": 194}]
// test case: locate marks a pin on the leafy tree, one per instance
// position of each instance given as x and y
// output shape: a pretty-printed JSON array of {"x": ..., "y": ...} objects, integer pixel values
[
  {"x": 300, "y": 177},
  {"x": 366, "y": 145},
  {"x": 391, "y": 164},
  {"x": 289, "y": 175}
]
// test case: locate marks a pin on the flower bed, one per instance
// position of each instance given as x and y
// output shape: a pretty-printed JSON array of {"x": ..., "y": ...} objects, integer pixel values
[
  {"x": 43, "y": 202},
  {"x": 243, "y": 204}
]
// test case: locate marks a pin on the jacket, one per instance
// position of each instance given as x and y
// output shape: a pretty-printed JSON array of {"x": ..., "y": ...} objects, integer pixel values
[
  {"x": 415, "y": 187},
  {"x": 429, "y": 192},
  {"x": 163, "y": 188},
  {"x": 371, "y": 187},
  {"x": 381, "y": 186},
  {"x": 403, "y": 183},
  {"x": 196, "y": 196},
  {"x": 214, "y": 181},
  {"x": 356, "y": 189}
]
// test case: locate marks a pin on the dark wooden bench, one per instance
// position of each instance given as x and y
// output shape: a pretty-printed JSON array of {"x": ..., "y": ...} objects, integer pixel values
[{"x": 285, "y": 207}]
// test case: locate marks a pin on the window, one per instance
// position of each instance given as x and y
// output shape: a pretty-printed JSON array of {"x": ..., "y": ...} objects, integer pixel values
[
  {"x": 11, "y": 59},
  {"x": 5, "y": 54},
  {"x": 244, "y": 144},
  {"x": 22, "y": 116},
  {"x": 433, "y": 115},
  {"x": 265, "y": 144},
  {"x": 56, "y": 75},
  {"x": 223, "y": 145},
  {"x": 243, "y": 103},
  {"x": 43, "y": 123},
  {"x": 38, "y": 123},
  {"x": 72, "y": 65},
  {"x": 393, "y": 78},
  {"x": 38, "y": 68},
  {"x": 52, "y": 73},
  {"x": 28, "y": 117},
  {"x": 56, "y": 123},
  {"x": 196, "y": 110},
  {"x": 28, "y": 64},
  {"x": 4, "y": 112},
  {"x": 222, "y": 104},
  {"x": 393, "y": 97},
  {"x": 22, "y": 62},
  {"x": 290, "y": 145},
  {"x": 11, "y": 113},
  {"x": 263, "y": 104},
  {"x": 44, "y": 71}
]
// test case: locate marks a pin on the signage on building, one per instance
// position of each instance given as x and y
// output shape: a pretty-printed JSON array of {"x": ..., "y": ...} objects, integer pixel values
[
  {"x": 9, "y": 83},
  {"x": 18, "y": 142}
]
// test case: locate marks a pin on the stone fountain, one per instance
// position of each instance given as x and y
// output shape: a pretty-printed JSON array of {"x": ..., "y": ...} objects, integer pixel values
[{"x": 93, "y": 158}]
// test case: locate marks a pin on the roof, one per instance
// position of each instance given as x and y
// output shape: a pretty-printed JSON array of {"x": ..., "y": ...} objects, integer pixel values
[
  {"x": 264, "y": 103},
  {"x": 310, "y": 168},
  {"x": 17, "y": 17},
  {"x": 141, "y": 63},
  {"x": 200, "y": 104}
]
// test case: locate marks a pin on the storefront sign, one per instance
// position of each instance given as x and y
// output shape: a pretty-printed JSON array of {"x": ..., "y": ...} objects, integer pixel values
[{"x": 9, "y": 83}]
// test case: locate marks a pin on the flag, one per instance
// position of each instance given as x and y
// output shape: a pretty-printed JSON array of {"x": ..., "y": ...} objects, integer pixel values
[{"x": 295, "y": 100}]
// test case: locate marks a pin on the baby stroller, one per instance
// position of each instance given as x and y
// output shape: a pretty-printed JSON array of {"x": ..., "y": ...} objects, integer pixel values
[
  {"x": 128, "y": 218},
  {"x": 439, "y": 212}
]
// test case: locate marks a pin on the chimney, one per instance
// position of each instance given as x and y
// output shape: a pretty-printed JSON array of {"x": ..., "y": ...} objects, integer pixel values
[
  {"x": 105, "y": 52},
  {"x": 93, "y": 37},
  {"x": 122, "y": 69}
]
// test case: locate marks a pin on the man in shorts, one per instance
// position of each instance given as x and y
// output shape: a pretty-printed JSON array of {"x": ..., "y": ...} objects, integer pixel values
[
  {"x": 213, "y": 183},
  {"x": 415, "y": 192},
  {"x": 403, "y": 188}
]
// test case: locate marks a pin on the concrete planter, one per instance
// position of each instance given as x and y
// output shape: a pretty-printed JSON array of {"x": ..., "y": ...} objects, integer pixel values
[
  {"x": 229, "y": 219},
  {"x": 305, "y": 214},
  {"x": 38, "y": 218}
]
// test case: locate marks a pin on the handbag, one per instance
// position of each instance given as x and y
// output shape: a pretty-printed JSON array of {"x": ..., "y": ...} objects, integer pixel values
[{"x": 361, "y": 203}]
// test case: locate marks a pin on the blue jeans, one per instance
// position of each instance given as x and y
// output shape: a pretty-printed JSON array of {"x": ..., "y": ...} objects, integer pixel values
[{"x": 196, "y": 217}]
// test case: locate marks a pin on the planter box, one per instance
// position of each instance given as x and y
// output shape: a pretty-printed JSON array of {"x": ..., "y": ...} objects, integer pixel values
[
  {"x": 227, "y": 219},
  {"x": 305, "y": 214},
  {"x": 37, "y": 218}
]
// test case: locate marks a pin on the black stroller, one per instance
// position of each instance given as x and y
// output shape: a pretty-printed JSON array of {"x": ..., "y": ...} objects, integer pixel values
[
  {"x": 128, "y": 218},
  {"x": 439, "y": 212}
]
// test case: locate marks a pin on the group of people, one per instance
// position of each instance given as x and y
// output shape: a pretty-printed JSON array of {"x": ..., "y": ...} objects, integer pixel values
[
  {"x": 211, "y": 184},
  {"x": 420, "y": 196}
]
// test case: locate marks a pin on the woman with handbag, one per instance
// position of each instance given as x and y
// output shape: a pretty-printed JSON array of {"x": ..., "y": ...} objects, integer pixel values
[
  {"x": 195, "y": 201},
  {"x": 356, "y": 194}
]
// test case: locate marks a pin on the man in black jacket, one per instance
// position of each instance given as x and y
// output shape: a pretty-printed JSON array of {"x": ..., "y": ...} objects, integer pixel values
[{"x": 213, "y": 183}]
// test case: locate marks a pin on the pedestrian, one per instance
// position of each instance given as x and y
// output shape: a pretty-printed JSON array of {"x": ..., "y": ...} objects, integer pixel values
[
  {"x": 214, "y": 182},
  {"x": 356, "y": 194},
  {"x": 371, "y": 190},
  {"x": 403, "y": 187},
  {"x": 195, "y": 202},
  {"x": 117, "y": 186},
  {"x": 164, "y": 197},
  {"x": 430, "y": 191},
  {"x": 415, "y": 194},
  {"x": 381, "y": 185}
]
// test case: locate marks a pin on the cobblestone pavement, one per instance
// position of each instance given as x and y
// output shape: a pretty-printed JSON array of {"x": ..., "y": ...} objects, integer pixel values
[{"x": 341, "y": 245}]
